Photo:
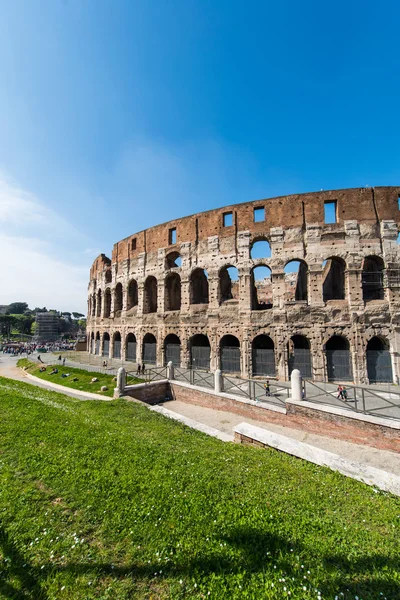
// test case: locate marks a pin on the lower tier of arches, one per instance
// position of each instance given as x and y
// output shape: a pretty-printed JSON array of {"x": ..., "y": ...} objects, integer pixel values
[{"x": 328, "y": 354}]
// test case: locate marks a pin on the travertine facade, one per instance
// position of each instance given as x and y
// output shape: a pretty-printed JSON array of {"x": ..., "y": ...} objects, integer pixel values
[{"x": 337, "y": 318}]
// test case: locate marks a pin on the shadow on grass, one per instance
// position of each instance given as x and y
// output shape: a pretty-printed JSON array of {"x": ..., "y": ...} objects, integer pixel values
[{"x": 257, "y": 552}]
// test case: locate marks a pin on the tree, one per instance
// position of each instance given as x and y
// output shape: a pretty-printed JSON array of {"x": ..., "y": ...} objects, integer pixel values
[
  {"x": 77, "y": 315},
  {"x": 7, "y": 322},
  {"x": 23, "y": 323},
  {"x": 17, "y": 308}
]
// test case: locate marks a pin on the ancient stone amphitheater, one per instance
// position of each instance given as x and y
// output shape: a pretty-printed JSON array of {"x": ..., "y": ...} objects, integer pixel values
[{"x": 308, "y": 281}]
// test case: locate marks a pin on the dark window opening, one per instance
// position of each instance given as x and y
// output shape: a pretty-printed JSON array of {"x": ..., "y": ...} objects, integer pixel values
[
  {"x": 330, "y": 212},
  {"x": 333, "y": 287},
  {"x": 200, "y": 352},
  {"x": 133, "y": 245},
  {"x": 173, "y": 292},
  {"x": 199, "y": 287},
  {"x": 228, "y": 284},
  {"x": 150, "y": 295},
  {"x": 263, "y": 355},
  {"x": 132, "y": 294},
  {"x": 259, "y": 214},
  {"x": 372, "y": 279},
  {"x": 228, "y": 219},
  {"x": 118, "y": 300},
  {"x": 107, "y": 303},
  {"x": 296, "y": 279},
  {"x": 172, "y": 349},
  {"x": 173, "y": 260},
  {"x": 230, "y": 354},
  {"x": 261, "y": 288}
]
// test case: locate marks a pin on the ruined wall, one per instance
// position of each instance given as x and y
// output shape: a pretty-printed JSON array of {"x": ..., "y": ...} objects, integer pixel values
[{"x": 121, "y": 294}]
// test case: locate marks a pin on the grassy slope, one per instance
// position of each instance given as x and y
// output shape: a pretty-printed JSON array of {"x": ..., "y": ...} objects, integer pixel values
[
  {"x": 84, "y": 377},
  {"x": 110, "y": 500}
]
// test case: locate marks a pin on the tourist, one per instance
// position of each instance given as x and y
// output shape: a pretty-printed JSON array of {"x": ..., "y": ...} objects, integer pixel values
[
  {"x": 340, "y": 392},
  {"x": 138, "y": 369},
  {"x": 344, "y": 394},
  {"x": 143, "y": 368},
  {"x": 63, "y": 362},
  {"x": 267, "y": 388}
]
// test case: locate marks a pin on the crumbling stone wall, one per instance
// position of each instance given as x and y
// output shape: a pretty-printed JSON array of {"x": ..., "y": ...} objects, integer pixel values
[{"x": 165, "y": 290}]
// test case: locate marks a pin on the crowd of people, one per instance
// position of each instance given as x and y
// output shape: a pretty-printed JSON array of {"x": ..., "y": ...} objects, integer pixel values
[{"x": 19, "y": 348}]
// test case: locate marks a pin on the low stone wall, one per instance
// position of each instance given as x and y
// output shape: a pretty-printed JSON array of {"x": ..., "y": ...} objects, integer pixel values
[{"x": 149, "y": 393}]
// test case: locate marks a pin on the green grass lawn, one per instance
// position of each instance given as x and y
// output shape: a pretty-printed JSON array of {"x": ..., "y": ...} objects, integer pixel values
[
  {"x": 113, "y": 501},
  {"x": 84, "y": 377}
]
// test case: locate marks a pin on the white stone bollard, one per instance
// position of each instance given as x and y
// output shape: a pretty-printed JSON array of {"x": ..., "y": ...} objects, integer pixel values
[
  {"x": 170, "y": 370},
  {"x": 296, "y": 384},
  {"x": 121, "y": 379},
  {"x": 218, "y": 380}
]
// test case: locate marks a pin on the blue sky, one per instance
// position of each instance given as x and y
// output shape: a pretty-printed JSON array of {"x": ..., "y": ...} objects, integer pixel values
[{"x": 118, "y": 115}]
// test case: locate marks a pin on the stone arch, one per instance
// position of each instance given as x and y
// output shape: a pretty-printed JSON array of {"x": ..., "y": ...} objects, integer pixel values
[
  {"x": 132, "y": 299},
  {"x": 172, "y": 291},
  {"x": 263, "y": 356},
  {"x": 200, "y": 350},
  {"x": 149, "y": 351},
  {"x": 172, "y": 350},
  {"x": 98, "y": 308},
  {"x": 372, "y": 278},
  {"x": 229, "y": 348},
  {"x": 260, "y": 248},
  {"x": 97, "y": 343},
  {"x": 261, "y": 288},
  {"x": 106, "y": 344},
  {"x": 130, "y": 347},
  {"x": 117, "y": 345},
  {"x": 199, "y": 287},
  {"x": 173, "y": 260},
  {"x": 118, "y": 293},
  {"x": 299, "y": 355},
  {"x": 333, "y": 277},
  {"x": 107, "y": 303},
  {"x": 296, "y": 281},
  {"x": 150, "y": 295},
  {"x": 108, "y": 276},
  {"x": 228, "y": 288},
  {"x": 338, "y": 359},
  {"x": 379, "y": 361}
]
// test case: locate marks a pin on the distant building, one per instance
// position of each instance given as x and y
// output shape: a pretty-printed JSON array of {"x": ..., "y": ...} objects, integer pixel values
[
  {"x": 3, "y": 309},
  {"x": 47, "y": 327}
]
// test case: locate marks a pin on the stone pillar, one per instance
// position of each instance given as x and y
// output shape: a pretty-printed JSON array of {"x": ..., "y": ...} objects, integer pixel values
[
  {"x": 121, "y": 379},
  {"x": 218, "y": 383},
  {"x": 170, "y": 370},
  {"x": 315, "y": 285},
  {"x": 185, "y": 295},
  {"x": 160, "y": 296},
  {"x": 140, "y": 299},
  {"x": 296, "y": 385},
  {"x": 213, "y": 290},
  {"x": 278, "y": 289},
  {"x": 245, "y": 291}
]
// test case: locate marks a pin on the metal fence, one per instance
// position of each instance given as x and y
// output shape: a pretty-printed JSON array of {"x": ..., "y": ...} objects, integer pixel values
[
  {"x": 379, "y": 366},
  {"x": 301, "y": 359},
  {"x": 338, "y": 363}
]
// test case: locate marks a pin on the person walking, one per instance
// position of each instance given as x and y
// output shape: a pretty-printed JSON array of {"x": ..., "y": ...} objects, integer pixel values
[
  {"x": 143, "y": 368},
  {"x": 340, "y": 392},
  {"x": 267, "y": 388},
  {"x": 63, "y": 362},
  {"x": 138, "y": 370}
]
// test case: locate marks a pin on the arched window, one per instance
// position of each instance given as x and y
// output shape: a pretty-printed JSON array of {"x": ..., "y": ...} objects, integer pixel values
[
  {"x": 172, "y": 292},
  {"x": 261, "y": 288},
  {"x": 92, "y": 343},
  {"x": 132, "y": 294},
  {"x": 98, "y": 310},
  {"x": 296, "y": 276},
  {"x": 333, "y": 287},
  {"x": 106, "y": 344},
  {"x": 172, "y": 350},
  {"x": 150, "y": 295},
  {"x": 173, "y": 260},
  {"x": 130, "y": 347},
  {"x": 199, "y": 287},
  {"x": 230, "y": 354},
  {"x": 263, "y": 354},
  {"x": 372, "y": 278},
  {"x": 118, "y": 299},
  {"x": 260, "y": 248},
  {"x": 200, "y": 352},
  {"x": 228, "y": 284},
  {"x": 379, "y": 361},
  {"x": 338, "y": 359},
  {"x": 97, "y": 343},
  {"x": 299, "y": 354},
  {"x": 149, "y": 349},
  {"x": 94, "y": 305},
  {"x": 107, "y": 303},
  {"x": 117, "y": 345},
  {"x": 108, "y": 276}
]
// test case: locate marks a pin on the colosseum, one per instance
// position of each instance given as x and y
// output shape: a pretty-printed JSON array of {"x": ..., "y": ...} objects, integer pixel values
[{"x": 308, "y": 281}]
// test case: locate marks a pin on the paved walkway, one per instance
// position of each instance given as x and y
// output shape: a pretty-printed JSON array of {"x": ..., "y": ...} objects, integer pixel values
[{"x": 225, "y": 422}]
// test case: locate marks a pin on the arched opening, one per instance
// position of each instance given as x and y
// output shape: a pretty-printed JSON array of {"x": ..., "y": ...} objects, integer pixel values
[
  {"x": 97, "y": 344},
  {"x": 333, "y": 277},
  {"x": 263, "y": 353},
  {"x": 372, "y": 279},
  {"x": 94, "y": 305},
  {"x": 130, "y": 347},
  {"x": 299, "y": 354},
  {"x": 338, "y": 359},
  {"x": 296, "y": 276},
  {"x": 172, "y": 292},
  {"x": 149, "y": 349},
  {"x": 200, "y": 352},
  {"x": 118, "y": 300},
  {"x": 260, "y": 248},
  {"x": 98, "y": 308},
  {"x": 173, "y": 260},
  {"x": 199, "y": 287},
  {"x": 150, "y": 295},
  {"x": 379, "y": 361},
  {"x": 228, "y": 284},
  {"x": 261, "y": 288},
  {"x": 132, "y": 299},
  {"x": 106, "y": 344},
  {"x": 92, "y": 344},
  {"x": 117, "y": 345},
  {"x": 229, "y": 348},
  {"x": 107, "y": 303},
  {"x": 172, "y": 350},
  {"x": 108, "y": 276}
]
